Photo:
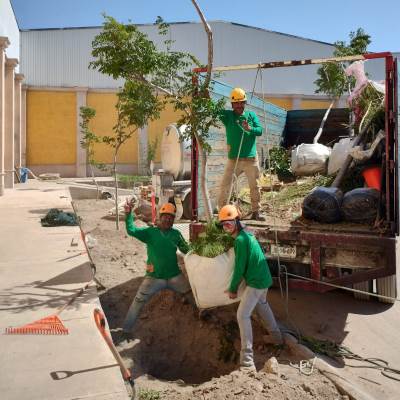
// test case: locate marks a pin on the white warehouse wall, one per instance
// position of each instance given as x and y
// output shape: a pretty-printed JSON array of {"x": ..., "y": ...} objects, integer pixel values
[{"x": 60, "y": 57}]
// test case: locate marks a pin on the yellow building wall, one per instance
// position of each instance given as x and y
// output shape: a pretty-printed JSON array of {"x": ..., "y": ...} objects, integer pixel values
[
  {"x": 314, "y": 104},
  {"x": 284, "y": 102},
  {"x": 50, "y": 127},
  {"x": 157, "y": 127},
  {"x": 102, "y": 124}
]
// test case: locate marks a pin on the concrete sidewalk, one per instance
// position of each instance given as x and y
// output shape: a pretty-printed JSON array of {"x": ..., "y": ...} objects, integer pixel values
[{"x": 39, "y": 272}]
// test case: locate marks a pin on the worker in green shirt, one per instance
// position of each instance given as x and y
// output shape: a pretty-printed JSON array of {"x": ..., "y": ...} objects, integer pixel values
[
  {"x": 162, "y": 270},
  {"x": 242, "y": 127},
  {"x": 250, "y": 266}
]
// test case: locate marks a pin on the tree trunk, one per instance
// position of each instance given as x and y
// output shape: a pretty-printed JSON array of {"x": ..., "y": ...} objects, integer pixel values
[
  {"x": 116, "y": 190},
  {"x": 94, "y": 181},
  {"x": 203, "y": 155},
  {"x": 321, "y": 128},
  {"x": 203, "y": 183}
]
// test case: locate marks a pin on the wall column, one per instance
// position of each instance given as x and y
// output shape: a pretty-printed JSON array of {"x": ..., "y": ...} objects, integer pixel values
[
  {"x": 17, "y": 121},
  {"x": 81, "y": 156},
  {"x": 4, "y": 43},
  {"x": 9, "y": 167},
  {"x": 296, "y": 103},
  {"x": 142, "y": 150},
  {"x": 23, "y": 125}
]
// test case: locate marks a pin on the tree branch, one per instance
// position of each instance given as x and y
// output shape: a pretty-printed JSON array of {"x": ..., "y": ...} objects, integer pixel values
[{"x": 210, "y": 44}]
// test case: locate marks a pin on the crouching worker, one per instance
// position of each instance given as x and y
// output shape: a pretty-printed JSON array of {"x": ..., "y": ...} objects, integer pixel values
[
  {"x": 162, "y": 264},
  {"x": 250, "y": 265}
]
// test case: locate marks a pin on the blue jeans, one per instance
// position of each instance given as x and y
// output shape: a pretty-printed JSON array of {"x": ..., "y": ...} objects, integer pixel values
[
  {"x": 253, "y": 299},
  {"x": 149, "y": 287}
]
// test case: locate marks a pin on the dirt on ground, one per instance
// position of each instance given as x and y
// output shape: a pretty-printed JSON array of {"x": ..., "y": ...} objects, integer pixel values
[{"x": 176, "y": 354}]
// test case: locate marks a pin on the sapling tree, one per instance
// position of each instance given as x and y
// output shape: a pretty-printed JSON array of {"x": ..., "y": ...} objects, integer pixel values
[
  {"x": 89, "y": 141},
  {"x": 152, "y": 78}
]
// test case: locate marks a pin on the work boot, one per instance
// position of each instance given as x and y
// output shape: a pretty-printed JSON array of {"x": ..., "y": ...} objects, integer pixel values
[
  {"x": 126, "y": 336},
  {"x": 275, "y": 338},
  {"x": 257, "y": 216}
]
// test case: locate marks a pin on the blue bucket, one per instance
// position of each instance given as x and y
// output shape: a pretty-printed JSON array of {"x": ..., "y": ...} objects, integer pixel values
[{"x": 23, "y": 172}]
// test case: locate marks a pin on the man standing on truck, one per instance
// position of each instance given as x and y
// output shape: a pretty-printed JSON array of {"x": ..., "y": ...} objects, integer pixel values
[
  {"x": 162, "y": 270},
  {"x": 242, "y": 127},
  {"x": 251, "y": 266}
]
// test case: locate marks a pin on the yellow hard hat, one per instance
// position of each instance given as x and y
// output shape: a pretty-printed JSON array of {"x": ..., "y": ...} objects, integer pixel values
[
  {"x": 168, "y": 208},
  {"x": 238, "y": 95},
  {"x": 227, "y": 213}
]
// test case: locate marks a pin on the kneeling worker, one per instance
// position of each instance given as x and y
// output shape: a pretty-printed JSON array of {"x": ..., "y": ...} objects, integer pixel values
[
  {"x": 162, "y": 264},
  {"x": 250, "y": 265}
]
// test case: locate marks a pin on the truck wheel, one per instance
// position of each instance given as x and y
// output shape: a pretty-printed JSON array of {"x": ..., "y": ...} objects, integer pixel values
[
  {"x": 387, "y": 287},
  {"x": 365, "y": 287},
  {"x": 187, "y": 206}
]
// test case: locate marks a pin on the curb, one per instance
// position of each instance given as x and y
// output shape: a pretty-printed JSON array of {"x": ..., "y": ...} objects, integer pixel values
[{"x": 344, "y": 386}]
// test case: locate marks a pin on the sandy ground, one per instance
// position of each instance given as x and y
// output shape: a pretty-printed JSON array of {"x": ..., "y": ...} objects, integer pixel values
[{"x": 176, "y": 355}]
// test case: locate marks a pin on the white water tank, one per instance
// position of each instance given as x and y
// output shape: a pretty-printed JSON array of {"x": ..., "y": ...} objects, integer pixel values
[{"x": 176, "y": 153}]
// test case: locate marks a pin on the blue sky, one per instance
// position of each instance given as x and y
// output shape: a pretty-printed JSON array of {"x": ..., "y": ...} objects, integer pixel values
[{"x": 322, "y": 20}]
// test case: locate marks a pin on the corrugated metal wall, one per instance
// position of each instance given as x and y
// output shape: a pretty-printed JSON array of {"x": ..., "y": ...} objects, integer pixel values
[{"x": 60, "y": 57}]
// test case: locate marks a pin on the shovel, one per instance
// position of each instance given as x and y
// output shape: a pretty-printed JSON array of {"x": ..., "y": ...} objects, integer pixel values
[{"x": 101, "y": 325}]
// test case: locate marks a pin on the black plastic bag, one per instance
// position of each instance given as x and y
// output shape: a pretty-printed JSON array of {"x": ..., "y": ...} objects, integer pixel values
[
  {"x": 360, "y": 205},
  {"x": 323, "y": 205},
  {"x": 56, "y": 217}
]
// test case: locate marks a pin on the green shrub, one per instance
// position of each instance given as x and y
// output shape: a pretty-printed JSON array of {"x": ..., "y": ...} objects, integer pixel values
[
  {"x": 212, "y": 242},
  {"x": 149, "y": 394}
]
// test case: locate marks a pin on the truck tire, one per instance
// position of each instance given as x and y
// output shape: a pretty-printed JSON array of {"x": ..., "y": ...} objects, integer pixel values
[
  {"x": 365, "y": 287},
  {"x": 386, "y": 287}
]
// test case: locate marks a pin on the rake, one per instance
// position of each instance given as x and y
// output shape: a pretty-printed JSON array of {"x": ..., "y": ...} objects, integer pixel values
[{"x": 50, "y": 325}]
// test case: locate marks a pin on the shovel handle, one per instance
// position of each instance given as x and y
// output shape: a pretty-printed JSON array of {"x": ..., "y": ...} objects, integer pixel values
[{"x": 101, "y": 325}]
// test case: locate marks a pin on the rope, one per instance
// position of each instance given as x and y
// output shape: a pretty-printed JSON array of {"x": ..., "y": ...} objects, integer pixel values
[
  {"x": 334, "y": 350},
  {"x": 305, "y": 367}
]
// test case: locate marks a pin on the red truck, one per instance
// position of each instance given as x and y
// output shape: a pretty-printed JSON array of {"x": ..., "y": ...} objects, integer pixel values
[{"x": 320, "y": 257}]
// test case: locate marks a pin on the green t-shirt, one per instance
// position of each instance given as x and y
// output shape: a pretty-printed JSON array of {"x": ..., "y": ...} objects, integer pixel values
[
  {"x": 234, "y": 132},
  {"x": 250, "y": 263},
  {"x": 161, "y": 248}
]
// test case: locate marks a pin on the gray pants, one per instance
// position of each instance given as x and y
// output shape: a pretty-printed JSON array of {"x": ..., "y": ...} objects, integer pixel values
[
  {"x": 253, "y": 298},
  {"x": 148, "y": 288}
]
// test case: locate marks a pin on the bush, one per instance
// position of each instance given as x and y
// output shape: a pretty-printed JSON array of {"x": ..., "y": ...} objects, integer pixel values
[
  {"x": 279, "y": 162},
  {"x": 212, "y": 242}
]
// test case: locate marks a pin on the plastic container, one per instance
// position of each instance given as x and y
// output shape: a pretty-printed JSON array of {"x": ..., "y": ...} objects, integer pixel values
[
  {"x": 339, "y": 154},
  {"x": 372, "y": 176},
  {"x": 176, "y": 153},
  {"x": 23, "y": 172}
]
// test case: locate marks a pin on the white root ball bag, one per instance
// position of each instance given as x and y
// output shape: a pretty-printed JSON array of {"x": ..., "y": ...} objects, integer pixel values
[
  {"x": 209, "y": 278},
  {"x": 309, "y": 159}
]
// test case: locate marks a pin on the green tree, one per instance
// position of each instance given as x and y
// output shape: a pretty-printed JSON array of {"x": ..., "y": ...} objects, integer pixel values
[
  {"x": 89, "y": 140},
  {"x": 332, "y": 79},
  {"x": 152, "y": 78}
]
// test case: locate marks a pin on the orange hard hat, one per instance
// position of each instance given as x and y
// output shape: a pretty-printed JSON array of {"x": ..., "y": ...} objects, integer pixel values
[
  {"x": 238, "y": 95},
  {"x": 227, "y": 213},
  {"x": 168, "y": 208}
]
